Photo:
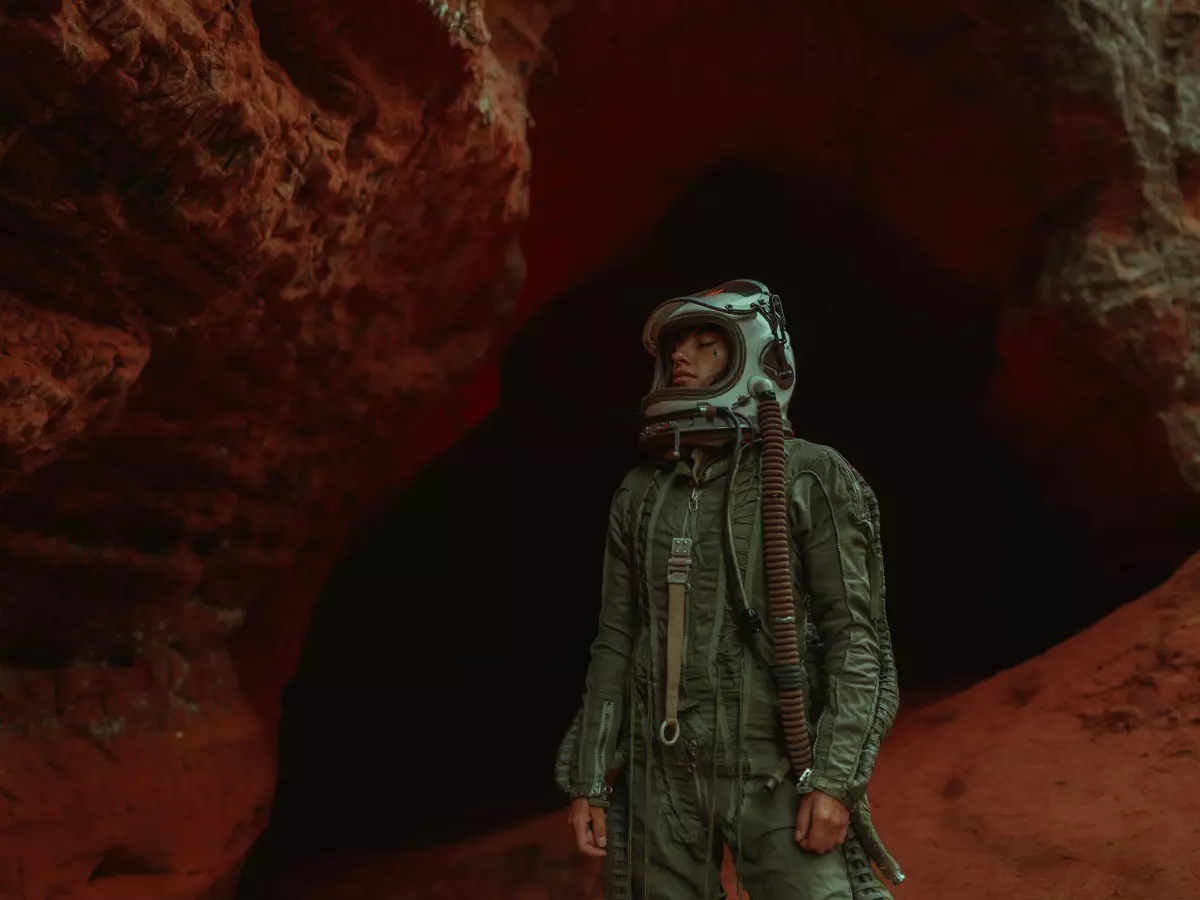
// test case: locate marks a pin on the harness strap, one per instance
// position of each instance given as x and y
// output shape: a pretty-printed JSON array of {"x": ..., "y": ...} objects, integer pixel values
[{"x": 678, "y": 568}]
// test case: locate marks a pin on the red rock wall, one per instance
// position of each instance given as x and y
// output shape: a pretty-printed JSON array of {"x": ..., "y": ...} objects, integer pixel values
[
  {"x": 223, "y": 289},
  {"x": 243, "y": 247}
]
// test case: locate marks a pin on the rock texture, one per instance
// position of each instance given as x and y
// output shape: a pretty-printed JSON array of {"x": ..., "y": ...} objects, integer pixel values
[
  {"x": 1073, "y": 775},
  {"x": 1115, "y": 325},
  {"x": 231, "y": 262},
  {"x": 243, "y": 247}
]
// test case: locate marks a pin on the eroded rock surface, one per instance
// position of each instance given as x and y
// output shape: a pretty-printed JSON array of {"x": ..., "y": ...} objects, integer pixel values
[
  {"x": 242, "y": 248},
  {"x": 1116, "y": 327},
  {"x": 230, "y": 266}
]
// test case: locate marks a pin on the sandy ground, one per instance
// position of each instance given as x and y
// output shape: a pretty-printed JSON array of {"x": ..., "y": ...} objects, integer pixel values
[{"x": 1075, "y": 776}]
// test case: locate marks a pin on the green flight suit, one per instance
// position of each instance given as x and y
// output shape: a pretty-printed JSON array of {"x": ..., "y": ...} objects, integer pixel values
[{"x": 712, "y": 786}]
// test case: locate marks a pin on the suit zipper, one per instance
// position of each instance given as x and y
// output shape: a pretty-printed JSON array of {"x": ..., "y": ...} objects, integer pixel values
[
  {"x": 694, "y": 768},
  {"x": 693, "y": 504},
  {"x": 688, "y": 528},
  {"x": 802, "y": 781},
  {"x": 598, "y": 783}
]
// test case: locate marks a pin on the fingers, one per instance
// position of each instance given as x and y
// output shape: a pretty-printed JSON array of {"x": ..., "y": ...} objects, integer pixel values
[
  {"x": 827, "y": 822},
  {"x": 600, "y": 826},
  {"x": 582, "y": 820},
  {"x": 819, "y": 838},
  {"x": 575, "y": 810},
  {"x": 824, "y": 836},
  {"x": 580, "y": 826},
  {"x": 804, "y": 819}
]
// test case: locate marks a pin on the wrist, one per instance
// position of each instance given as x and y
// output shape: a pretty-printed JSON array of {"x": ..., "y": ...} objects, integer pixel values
[
  {"x": 593, "y": 798},
  {"x": 810, "y": 781}
]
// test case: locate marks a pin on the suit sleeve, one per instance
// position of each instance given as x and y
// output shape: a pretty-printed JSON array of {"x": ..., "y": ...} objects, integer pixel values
[
  {"x": 607, "y": 687},
  {"x": 835, "y": 548}
]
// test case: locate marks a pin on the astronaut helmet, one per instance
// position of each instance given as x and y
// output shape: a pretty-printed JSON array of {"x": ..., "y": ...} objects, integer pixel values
[{"x": 750, "y": 320}]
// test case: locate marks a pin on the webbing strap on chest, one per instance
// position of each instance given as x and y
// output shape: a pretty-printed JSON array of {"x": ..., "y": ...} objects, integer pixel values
[{"x": 678, "y": 569}]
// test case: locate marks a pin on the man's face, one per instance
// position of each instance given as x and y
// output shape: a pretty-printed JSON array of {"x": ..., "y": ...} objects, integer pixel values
[{"x": 700, "y": 358}]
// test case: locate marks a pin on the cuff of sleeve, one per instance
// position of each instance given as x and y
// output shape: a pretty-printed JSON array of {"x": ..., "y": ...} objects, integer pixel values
[
  {"x": 833, "y": 787},
  {"x": 601, "y": 800}
]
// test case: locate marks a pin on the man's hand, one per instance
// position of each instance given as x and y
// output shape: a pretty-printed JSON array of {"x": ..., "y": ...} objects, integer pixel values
[
  {"x": 821, "y": 822},
  {"x": 590, "y": 825}
]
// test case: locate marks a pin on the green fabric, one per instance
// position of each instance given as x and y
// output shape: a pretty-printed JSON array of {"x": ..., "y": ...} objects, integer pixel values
[
  {"x": 607, "y": 678},
  {"x": 770, "y": 864},
  {"x": 731, "y": 726},
  {"x": 832, "y": 528}
]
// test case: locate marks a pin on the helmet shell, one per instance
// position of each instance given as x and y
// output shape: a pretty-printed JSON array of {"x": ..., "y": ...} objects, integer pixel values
[{"x": 761, "y": 356}]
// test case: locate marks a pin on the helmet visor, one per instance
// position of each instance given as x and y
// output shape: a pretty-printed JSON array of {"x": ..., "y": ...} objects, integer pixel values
[{"x": 695, "y": 358}]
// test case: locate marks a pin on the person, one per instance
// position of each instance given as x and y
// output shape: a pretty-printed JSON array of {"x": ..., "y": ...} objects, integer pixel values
[{"x": 695, "y": 715}]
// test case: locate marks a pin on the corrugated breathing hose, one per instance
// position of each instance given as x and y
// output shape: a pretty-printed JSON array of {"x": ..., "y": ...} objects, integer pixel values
[{"x": 781, "y": 602}]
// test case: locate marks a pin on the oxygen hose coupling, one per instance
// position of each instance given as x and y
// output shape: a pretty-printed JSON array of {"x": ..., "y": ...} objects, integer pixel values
[{"x": 760, "y": 386}]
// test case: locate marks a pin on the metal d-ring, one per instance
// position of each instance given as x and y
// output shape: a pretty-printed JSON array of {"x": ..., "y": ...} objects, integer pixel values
[{"x": 662, "y": 732}]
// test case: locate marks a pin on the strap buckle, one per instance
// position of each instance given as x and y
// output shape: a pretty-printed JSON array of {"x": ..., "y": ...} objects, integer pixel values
[{"x": 680, "y": 562}]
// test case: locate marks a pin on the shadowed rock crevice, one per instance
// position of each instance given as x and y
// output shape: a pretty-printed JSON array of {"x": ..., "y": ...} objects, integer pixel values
[
  {"x": 339, "y": 54},
  {"x": 120, "y": 861}
]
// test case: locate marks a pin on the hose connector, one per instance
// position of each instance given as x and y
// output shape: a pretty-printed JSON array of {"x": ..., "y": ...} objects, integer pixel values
[{"x": 761, "y": 387}]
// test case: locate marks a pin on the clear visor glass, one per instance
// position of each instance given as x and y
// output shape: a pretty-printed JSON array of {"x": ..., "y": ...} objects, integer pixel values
[
  {"x": 652, "y": 332},
  {"x": 694, "y": 355}
]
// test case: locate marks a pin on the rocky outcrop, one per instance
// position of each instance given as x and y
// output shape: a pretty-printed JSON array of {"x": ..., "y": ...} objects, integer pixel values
[
  {"x": 1114, "y": 324},
  {"x": 231, "y": 266},
  {"x": 243, "y": 247},
  {"x": 1069, "y": 775},
  {"x": 1133, "y": 271}
]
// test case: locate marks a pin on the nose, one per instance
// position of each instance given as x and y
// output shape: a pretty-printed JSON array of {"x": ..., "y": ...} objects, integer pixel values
[{"x": 678, "y": 356}]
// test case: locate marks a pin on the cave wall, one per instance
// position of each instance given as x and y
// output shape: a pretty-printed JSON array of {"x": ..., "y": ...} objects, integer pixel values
[
  {"x": 215, "y": 307},
  {"x": 242, "y": 248}
]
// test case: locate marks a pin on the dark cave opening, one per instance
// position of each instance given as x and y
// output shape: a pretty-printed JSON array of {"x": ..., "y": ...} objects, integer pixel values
[{"x": 448, "y": 651}]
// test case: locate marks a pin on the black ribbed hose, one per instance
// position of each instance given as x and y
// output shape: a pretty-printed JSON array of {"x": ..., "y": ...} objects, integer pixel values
[{"x": 780, "y": 599}]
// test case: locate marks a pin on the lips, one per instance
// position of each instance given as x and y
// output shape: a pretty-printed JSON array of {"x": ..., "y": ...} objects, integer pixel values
[{"x": 681, "y": 373}]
